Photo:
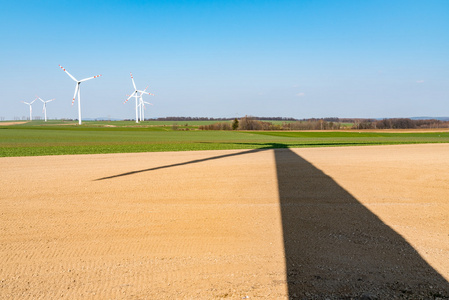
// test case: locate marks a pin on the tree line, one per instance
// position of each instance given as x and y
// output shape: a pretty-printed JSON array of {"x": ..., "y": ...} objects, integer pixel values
[
  {"x": 183, "y": 119},
  {"x": 400, "y": 123},
  {"x": 253, "y": 123}
]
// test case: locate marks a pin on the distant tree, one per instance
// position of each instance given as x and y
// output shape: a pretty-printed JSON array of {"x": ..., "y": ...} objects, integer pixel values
[{"x": 235, "y": 124}]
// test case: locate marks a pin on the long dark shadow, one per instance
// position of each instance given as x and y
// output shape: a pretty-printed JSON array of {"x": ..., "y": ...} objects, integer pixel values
[
  {"x": 180, "y": 164},
  {"x": 336, "y": 248}
]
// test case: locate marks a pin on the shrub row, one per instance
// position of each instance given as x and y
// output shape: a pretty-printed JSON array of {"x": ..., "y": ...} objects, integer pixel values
[{"x": 251, "y": 123}]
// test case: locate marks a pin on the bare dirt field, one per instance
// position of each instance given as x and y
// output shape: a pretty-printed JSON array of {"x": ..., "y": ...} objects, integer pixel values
[
  {"x": 11, "y": 123},
  {"x": 352, "y": 222}
]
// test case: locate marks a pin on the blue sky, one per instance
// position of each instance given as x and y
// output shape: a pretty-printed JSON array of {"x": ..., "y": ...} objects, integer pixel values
[{"x": 297, "y": 59}]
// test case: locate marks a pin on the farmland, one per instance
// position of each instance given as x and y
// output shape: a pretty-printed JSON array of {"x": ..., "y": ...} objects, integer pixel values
[
  {"x": 330, "y": 222},
  {"x": 227, "y": 223},
  {"x": 56, "y": 138}
]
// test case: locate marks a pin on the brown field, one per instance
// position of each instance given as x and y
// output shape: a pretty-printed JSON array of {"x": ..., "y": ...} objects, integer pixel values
[
  {"x": 308, "y": 223},
  {"x": 12, "y": 123}
]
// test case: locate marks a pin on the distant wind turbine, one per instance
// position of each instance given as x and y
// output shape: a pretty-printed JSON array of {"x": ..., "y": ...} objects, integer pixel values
[
  {"x": 77, "y": 90},
  {"x": 136, "y": 96},
  {"x": 142, "y": 111},
  {"x": 31, "y": 109},
  {"x": 44, "y": 109},
  {"x": 142, "y": 104}
]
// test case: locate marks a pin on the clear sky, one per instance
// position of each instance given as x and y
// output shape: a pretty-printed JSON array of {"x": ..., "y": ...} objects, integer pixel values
[{"x": 302, "y": 58}]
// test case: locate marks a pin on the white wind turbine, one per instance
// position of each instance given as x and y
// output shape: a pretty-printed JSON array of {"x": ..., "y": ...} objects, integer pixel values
[
  {"x": 77, "y": 90},
  {"x": 136, "y": 96},
  {"x": 142, "y": 104},
  {"x": 142, "y": 111},
  {"x": 45, "y": 107},
  {"x": 139, "y": 106},
  {"x": 31, "y": 109}
]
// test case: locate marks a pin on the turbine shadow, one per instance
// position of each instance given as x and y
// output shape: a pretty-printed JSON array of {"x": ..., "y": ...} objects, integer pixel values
[
  {"x": 178, "y": 164},
  {"x": 336, "y": 248}
]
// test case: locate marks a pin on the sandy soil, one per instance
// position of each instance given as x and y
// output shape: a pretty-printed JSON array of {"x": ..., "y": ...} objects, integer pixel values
[
  {"x": 11, "y": 123},
  {"x": 308, "y": 223}
]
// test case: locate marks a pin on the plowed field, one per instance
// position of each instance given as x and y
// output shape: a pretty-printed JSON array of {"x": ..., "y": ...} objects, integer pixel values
[{"x": 311, "y": 222}]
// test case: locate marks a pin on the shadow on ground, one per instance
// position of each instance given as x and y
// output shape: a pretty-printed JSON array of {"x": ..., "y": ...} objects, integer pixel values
[
  {"x": 335, "y": 248},
  {"x": 178, "y": 164}
]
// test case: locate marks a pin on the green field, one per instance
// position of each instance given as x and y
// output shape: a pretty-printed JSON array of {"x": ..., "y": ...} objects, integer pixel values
[{"x": 57, "y": 138}]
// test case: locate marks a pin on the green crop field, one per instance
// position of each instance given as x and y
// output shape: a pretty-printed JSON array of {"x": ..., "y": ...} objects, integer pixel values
[{"x": 57, "y": 138}]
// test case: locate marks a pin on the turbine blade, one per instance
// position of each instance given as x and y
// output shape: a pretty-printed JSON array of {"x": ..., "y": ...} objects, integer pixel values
[
  {"x": 86, "y": 79},
  {"x": 132, "y": 78},
  {"x": 76, "y": 91},
  {"x": 143, "y": 92},
  {"x": 129, "y": 97},
  {"x": 68, "y": 74}
]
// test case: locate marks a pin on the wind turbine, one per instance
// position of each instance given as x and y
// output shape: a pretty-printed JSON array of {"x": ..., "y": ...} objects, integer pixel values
[
  {"x": 139, "y": 106},
  {"x": 77, "y": 90},
  {"x": 142, "y": 111},
  {"x": 31, "y": 109},
  {"x": 136, "y": 96},
  {"x": 45, "y": 107},
  {"x": 142, "y": 104}
]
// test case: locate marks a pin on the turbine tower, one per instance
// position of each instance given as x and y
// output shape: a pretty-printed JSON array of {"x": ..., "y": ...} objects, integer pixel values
[
  {"x": 77, "y": 90},
  {"x": 44, "y": 109},
  {"x": 142, "y": 103},
  {"x": 136, "y": 96},
  {"x": 31, "y": 109}
]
